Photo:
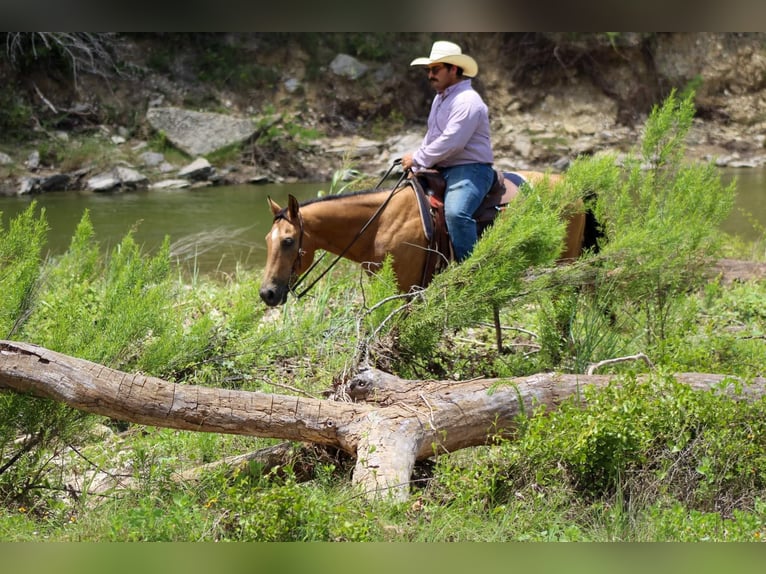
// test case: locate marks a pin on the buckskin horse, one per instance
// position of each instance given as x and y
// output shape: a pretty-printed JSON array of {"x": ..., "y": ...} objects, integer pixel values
[
  {"x": 406, "y": 222},
  {"x": 367, "y": 226}
]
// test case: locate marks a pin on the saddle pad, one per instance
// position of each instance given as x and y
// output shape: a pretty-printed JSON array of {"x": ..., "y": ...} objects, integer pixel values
[
  {"x": 425, "y": 209},
  {"x": 515, "y": 178}
]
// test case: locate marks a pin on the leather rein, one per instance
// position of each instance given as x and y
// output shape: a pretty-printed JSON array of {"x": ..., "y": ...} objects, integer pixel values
[{"x": 338, "y": 257}]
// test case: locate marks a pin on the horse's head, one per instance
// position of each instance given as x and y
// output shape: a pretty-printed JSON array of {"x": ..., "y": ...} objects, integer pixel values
[{"x": 283, "y": 252}]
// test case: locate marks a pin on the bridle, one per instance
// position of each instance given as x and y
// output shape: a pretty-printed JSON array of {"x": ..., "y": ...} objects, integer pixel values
[{"x": 297, "y": 262}]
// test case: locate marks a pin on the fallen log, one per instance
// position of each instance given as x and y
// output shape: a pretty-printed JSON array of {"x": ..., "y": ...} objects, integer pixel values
[{"x": 390, "y": 424}]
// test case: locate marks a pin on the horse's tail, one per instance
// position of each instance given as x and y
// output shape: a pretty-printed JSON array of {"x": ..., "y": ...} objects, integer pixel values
[{"x": 593, "y": 231}]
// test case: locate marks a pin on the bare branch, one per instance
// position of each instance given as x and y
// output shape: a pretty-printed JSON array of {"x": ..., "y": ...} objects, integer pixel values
[{"x": 593, "y": 366}]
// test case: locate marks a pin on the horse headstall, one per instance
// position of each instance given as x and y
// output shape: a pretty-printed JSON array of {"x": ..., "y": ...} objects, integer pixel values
[{"x": 297, "y": 263}]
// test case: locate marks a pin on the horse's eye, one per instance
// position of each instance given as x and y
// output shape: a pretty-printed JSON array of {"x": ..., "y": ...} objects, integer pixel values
[{"x": 288, "y": 242}]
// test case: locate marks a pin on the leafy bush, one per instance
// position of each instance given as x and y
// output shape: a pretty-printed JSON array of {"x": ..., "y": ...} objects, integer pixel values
[
  {"x": 15, "y": 115},
  {"x": 287, "y": 511},
  {"x": 20, "y": 266},
  {"x": 529, "y": 233},
  {"x": 641, "y": 441},
  {"x": 662, "y": 221},
  {"x": 119, "y": 311}
]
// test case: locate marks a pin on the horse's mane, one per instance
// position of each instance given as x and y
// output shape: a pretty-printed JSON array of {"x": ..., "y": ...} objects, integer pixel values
[
  {"x": 341, "y": 195},
  {"x": 283, "y": 212}
]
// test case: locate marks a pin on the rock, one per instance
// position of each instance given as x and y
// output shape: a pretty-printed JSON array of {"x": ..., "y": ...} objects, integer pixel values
[
  {"x": 33, "y": 161},
  {"x": 56, "y": 182},
  {"x": 27, "y": 185},
  {"x": 118, "y": 178},
  {"x": 743, "y": 163},
  {"x": 5, "y": 159},
  {"x": 292, "y": 85},
  {"x": 199, "y": 169},
  {"x": 562, "y": 163},
  {"x": 724, "y": 161},
  {"x": 347, "y": 66},
  {"x": 151, "y": 158},
  {"x": 406, "y": 143},
  {"x": 199, "y": 133},
  {"x": 171, "y": 184},
  {"x": 130, "y": 177},
  {"x": 103, "y": 182},
  {"x": 523, "y": 146},
  {"x": 353, "y": 146}
]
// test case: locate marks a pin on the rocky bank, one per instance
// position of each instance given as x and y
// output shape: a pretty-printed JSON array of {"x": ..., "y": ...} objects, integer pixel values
[{"x": 552, "y": 97}]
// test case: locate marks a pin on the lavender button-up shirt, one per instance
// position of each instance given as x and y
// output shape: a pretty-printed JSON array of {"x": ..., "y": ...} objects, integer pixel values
[{"x": 458, "y": 130}]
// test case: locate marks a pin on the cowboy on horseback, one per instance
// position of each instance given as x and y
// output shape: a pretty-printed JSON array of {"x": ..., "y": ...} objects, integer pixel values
[{"x": 457, "y": 141}]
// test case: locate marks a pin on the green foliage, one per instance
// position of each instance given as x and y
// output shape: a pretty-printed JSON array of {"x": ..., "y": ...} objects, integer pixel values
[
  {"x": 170, "y": 518},
  {"x": 20, "y": 259},
  {"x": 381, "y": 297},
  {"x": 280, "y": 510},
  {"x": 15, "y": 114},
  {"x": 344, "y": 179},
  {"x": 225, "y": 65},
  {"x": 529, "y": 233},
  {"x": 660, "y": 217},
  {"x": 281, "y": 132},
  {"x": 32, "y": 433},
  {"x": 115, "y": 312},
  {"x": 731, "y": 322},
  {"x": 576, "y": 330},
  {"x": 44, "y": 425},
  {"x": 119, "y": 311},
  {"x": 662, "y": 222},
  {"x": 652, "y": 441}
]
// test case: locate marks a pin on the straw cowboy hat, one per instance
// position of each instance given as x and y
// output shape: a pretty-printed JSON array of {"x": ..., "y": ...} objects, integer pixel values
[{"x": 449, "y": 53}]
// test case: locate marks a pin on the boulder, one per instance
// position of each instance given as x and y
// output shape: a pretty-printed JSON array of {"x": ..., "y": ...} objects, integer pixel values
[
  {"x": 199, "y": 169},
  {"x": 347, "y": 66},
  {"x": 171, "y": 184},
  {"x": 117, "y": 179},
  {"x": 199, "y": 133}
]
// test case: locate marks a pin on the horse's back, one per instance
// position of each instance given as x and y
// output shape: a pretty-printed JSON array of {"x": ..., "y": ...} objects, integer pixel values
[
  {"x": 576, "y": 218},
  {"x": 537, "y": 176}
]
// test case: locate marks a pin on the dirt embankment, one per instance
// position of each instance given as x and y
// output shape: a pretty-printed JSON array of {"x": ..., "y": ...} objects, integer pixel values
[{"x": 552, "y": 97}]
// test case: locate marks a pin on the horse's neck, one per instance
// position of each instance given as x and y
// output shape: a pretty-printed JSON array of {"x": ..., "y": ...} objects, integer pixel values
[{"x": 334, "y": 224}]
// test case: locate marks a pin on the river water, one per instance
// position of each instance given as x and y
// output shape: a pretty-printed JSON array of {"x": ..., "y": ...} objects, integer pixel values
[{"x": 216, "y": 229}]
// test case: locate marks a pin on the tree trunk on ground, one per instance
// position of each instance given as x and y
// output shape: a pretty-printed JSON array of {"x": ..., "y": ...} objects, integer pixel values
[{"x": 394, "y": 422}]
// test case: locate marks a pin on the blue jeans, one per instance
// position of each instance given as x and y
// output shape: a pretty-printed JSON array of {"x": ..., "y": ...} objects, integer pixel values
[{"x": 466, "y": 187}]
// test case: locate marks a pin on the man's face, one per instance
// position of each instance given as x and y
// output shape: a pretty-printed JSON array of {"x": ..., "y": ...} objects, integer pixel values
[{"x": 441, "y": 76}]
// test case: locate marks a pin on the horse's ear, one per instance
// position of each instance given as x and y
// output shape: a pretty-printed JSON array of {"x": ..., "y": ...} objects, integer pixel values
[
  {"x": 292, "y": 206},
  {"x": 274, "y": 207}
]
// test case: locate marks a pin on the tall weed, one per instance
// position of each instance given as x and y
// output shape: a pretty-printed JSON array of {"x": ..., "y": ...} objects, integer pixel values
[
  {"x": 661, "y": 222},
  {"x": 118, "y": 310},
  {"x": 21, "y": 247}
]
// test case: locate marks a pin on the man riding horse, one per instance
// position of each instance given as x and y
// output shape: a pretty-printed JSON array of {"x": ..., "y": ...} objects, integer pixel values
[{"x": 457, "y": 142}]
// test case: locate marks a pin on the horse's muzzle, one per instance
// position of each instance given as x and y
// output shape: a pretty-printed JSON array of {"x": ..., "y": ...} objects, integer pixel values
[{"x": 273, "y": 295}]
